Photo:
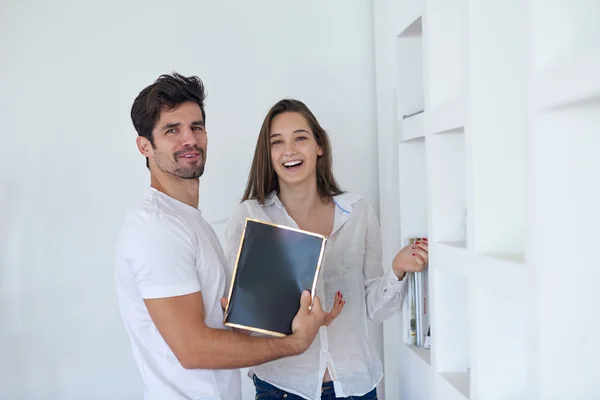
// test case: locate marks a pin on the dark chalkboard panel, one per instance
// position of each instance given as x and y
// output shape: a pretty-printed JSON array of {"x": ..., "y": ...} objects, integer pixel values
[{"x": 274, "y": 265}]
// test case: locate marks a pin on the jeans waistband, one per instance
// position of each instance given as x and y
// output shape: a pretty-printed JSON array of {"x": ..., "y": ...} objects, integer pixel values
[{"x": 326, "y": 388}]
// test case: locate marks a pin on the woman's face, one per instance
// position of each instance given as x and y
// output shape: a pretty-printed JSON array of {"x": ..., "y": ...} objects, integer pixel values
[{"x": 294, "y": 150}]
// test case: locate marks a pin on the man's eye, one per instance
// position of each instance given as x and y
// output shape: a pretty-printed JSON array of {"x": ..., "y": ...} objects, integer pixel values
[
  {"x": 171, "y": 131},
  {"x": 197, "y": 128}
]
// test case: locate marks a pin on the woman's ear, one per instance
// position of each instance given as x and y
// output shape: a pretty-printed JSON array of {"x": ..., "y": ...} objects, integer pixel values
[{"x": 319, "y": 151}]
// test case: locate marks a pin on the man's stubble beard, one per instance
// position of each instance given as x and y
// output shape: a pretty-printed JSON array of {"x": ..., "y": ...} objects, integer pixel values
[{"x": 190, "y": 172}]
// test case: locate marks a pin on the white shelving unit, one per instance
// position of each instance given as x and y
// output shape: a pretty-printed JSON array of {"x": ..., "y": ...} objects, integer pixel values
[{"x": 499, "y": 167}]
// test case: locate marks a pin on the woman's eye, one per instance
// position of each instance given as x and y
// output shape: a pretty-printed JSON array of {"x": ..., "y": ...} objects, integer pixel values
[
  {"x": 301, "y": 138},
  {"x": 275, "y": 142}
]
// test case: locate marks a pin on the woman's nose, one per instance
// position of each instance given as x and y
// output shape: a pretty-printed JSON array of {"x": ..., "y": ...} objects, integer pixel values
[{"x": 290, "y": 148}]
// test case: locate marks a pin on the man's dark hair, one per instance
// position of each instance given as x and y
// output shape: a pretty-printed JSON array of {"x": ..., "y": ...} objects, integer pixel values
[{"x": 166, "y": 93}]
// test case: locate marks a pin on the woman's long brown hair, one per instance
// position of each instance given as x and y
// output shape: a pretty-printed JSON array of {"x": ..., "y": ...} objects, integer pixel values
[{"x": 262, "y": 179}]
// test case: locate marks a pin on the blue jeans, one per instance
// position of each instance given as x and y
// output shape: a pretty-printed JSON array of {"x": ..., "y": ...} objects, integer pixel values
[{"x": 266, "y": 391}]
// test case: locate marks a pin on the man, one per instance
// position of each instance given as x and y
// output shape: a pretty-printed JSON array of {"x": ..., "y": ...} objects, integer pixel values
[{"x": 170, "y": 267}]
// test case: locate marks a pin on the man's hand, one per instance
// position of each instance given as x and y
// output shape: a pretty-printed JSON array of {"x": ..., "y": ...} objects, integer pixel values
[
  {"x": 412, "y": 258},
  {"x": 306, "y": 323}
]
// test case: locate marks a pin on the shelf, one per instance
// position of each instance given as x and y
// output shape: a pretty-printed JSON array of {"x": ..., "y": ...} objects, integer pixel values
[
  {"x": 409, "y": 12},
  {"x": 450, "y": 256},
  {"x": 412, "y": 128},
  {"x": 499, "y": 126},
  {"x": 569, "y": 81},
  {"x": 446, "y": 48},
  {"x": 501, "y": 345},
  {"x": 409, "y": 67},
  {"x": 448, "y": 117},
  {"x": 513, "y": 258},
  {"x": 415, "y": 379},
  {"x": 459, "y": 380},
  {"x": 560, "y": 29},
  {"x": 508, "y": 136},
  {"x": 413, "y": 188},
  {"x": 503, "y": 274},
  {"x": 448, "y": 187},
  {"x": 422, "y": 353},
  {"x": 567, "y": 274},
  {"x": 456, "y": 245},
  {"x": 450, "y": 317}
]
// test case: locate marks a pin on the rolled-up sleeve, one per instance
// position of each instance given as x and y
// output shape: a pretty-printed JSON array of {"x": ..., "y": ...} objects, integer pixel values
[{"x": 384, "y": 292}]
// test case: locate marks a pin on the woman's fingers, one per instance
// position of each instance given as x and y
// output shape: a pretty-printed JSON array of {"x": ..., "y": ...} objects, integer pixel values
[
  {"x": 420, "y": 252},
  {"x": 422, "y": 245},
  {"x": 423, "y": 254},
  {"x": 338, "y": 305},
  {"x": 420, "y": 256}
]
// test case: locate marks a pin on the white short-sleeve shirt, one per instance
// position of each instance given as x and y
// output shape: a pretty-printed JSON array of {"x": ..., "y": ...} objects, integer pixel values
[
  {"x": 351, "y": 264},
  {"x": 165, "y": 248}
]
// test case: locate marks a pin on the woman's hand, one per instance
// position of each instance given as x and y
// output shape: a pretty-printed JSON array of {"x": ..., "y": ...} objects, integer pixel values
[
  {"x": 412, "y": 258},
  {"x": 338, "y": 305}
]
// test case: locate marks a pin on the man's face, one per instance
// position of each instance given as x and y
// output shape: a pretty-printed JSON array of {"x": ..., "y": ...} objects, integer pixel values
[{"x": 180, "y": 142}]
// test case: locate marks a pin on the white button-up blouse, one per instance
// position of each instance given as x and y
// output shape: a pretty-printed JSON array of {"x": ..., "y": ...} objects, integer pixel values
[{"x": 352, "y": 265}]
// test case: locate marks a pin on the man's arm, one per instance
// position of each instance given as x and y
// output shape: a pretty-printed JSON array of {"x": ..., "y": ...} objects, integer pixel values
[{"x": 180, "y": 321}]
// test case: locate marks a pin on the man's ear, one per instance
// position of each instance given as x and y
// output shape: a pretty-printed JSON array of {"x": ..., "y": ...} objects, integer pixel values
[{"x": 144, "y": 146}]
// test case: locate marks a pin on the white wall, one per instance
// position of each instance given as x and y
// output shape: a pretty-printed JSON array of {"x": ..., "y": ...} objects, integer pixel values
[{"x": 69, "y": 167}]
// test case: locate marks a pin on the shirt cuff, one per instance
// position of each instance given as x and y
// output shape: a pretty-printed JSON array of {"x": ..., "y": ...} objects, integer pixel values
[
  {"x": 392, "y": 282},
  {"x": 157, "y": 292}
]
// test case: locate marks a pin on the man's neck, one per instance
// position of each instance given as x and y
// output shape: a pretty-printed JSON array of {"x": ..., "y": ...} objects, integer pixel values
[
  {"x": 184, "y": 190},
  {"x": 301, "y": 200}
]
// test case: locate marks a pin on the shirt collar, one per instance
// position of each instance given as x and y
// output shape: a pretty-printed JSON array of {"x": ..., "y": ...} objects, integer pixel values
[
  {"x": 271, "y": 199},
  {"x": 343, "y": 201}
]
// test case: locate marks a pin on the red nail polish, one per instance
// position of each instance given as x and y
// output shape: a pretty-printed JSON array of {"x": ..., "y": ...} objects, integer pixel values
[
  {"x": 413, "y": 254},
  {"x": 424, "y": 239}
]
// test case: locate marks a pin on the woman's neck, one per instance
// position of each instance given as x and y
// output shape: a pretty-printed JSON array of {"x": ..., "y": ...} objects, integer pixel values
[{"x": 301, "y": 201}]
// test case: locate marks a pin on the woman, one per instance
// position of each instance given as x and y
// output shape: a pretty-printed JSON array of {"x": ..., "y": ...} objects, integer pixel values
[{"x": 291, "y": 183}]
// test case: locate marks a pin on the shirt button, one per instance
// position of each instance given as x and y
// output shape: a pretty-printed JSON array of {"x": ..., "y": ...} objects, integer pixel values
[{"x": 285, "y": 395}]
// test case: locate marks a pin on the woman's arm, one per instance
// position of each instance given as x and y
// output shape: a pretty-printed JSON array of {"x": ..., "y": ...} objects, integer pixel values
[{"x": 386, "y": 287}]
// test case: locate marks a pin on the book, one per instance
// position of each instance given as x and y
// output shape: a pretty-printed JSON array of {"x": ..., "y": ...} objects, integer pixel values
[
  {"x": 416, "y": 307},
  {"x": 274, "y": 265}
]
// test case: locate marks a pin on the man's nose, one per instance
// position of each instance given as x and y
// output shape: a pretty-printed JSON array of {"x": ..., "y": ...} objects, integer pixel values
[{"x": 188, "y": 138}]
